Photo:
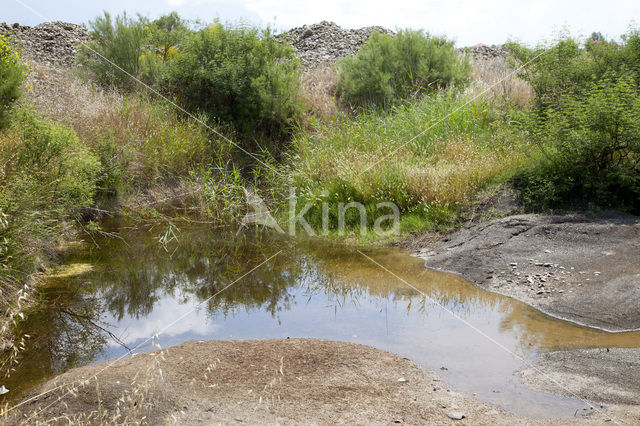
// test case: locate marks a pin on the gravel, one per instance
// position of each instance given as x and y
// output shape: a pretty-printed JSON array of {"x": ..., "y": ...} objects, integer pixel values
[
  {"x": 50, "y": 42},
  {"x": 326, "y": 42}
]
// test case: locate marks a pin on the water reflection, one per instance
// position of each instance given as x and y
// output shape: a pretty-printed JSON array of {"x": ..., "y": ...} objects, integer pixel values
[{"x": 311, "y": 289}]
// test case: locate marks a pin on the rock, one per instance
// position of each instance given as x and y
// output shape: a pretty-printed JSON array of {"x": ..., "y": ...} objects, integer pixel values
[
  {"x": 402, "y": 380},
  {"x": 454, "y": 415}
]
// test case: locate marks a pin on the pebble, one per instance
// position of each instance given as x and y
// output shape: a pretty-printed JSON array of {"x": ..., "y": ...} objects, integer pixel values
[{"x": 454, "y": 415}]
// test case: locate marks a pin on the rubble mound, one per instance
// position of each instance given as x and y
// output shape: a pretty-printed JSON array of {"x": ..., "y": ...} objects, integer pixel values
[
  {"x": 49, "y": 42},
  {"x": 482, "y": 52},
  {"x": 326, "y": 42}
]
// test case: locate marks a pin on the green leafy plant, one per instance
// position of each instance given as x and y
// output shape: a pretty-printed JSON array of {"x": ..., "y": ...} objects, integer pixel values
[
  {"x": 387, "y": 69},
  {"x": 585, "y": 120},
  {"x": 591, "y": 146},
  {"x": 238, "y": 75},
  {"x": 119, "y": 41},
  {"x": 569, "y": 66},
  {"x": 12, "y": 76},
  {"x": 48, "y": 177}
]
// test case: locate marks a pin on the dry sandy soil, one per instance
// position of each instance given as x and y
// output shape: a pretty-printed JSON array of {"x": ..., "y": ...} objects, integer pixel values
[
  {"x": 603, "y": 375},
  {"x": 288, "y": 381}
]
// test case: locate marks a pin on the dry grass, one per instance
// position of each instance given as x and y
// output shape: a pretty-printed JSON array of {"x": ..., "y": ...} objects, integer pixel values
[
  {"x": 318, "y": 85},
  {"x": 432, "y": 155},
  {"x": 458, "y": 169},
  {"x": 145, "y": 137},
  {"x": 134, "y": 405},
  {"x": 497, "y": 78}
]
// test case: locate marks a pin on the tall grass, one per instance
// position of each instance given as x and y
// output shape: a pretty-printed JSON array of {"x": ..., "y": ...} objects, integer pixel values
[
  {"x": 429, "y": 157},
  {"x": 150, "y": 155}
]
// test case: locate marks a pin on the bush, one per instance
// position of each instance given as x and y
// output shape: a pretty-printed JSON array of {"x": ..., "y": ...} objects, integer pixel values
[
  {"x": 585, "y": 119},
  {"x": 47, "y": 177},
  {"x": 12, "y": 73},
  {"x": 388, "y": 68},
  {"x": 592, "y": 149},
  {"x": 240, "y": 76},
  {"x": 163, "y": 38},
  {"x": 569, "y": 66},
  {"x": 120, "y": 41}
]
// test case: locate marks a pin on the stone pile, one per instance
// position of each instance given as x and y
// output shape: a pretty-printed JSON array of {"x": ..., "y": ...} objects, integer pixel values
[
  {"x": 49, "y": 42},
  {"x": 482, "y": 52},
  {"x": 326, "y": 42},
  {"x": 318, "y": 44}
]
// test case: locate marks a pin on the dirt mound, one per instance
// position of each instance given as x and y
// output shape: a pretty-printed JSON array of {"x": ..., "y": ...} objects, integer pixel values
[
  {"x": 51, "y": 42},
  {"x": 291, "y": 381}
]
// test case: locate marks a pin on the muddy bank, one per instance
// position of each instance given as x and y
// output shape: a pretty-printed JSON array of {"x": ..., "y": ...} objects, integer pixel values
[
  {"x": 574, "y": 267},
  {"x": 610, "y": 376},
  {"x": 288, "y": 381}
]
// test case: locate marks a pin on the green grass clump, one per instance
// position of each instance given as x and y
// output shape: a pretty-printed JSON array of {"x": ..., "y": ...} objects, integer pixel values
[{"x": 429, "y": 157}]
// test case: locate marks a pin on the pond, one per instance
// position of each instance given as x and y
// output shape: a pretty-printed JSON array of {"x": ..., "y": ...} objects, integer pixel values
[{"x": 159, "y": 287}]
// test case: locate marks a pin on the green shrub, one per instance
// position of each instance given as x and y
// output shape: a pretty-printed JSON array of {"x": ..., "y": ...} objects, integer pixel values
[
  {"x": 12, "y": 73},
  {"x": 586, "y": 121},
  {"x": 569, "y": 66},
  {"x": 165, "y": 34},
  {"x": 387, "y": 68},
  {"x": 591, "y": 145},
  {"x": 240, "y": 76},
  {"x": 162, "y": 42},
  {"x": 120, "y": 41},
  {"x": 47, "y": 177}
]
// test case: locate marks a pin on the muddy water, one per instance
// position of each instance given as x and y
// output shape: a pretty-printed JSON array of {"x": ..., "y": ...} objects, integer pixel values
[{"x": 121, "y": 291}]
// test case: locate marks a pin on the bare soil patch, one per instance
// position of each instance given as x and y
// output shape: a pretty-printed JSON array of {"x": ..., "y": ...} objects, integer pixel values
[
  {"x": 289, "y": 381},
  {"x": 609, "y": 376},
  {"x": 584, "y": 269}
]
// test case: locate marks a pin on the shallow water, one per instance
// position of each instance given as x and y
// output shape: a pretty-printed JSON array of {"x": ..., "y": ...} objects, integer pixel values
[{"x": 140, "y": 287}]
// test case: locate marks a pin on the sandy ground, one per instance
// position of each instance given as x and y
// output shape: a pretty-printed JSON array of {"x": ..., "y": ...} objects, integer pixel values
[
  {"x": 575, "y": 267},
  {"x": 608, "y": 376},
  {"x": 603, "y": 375},
  {"x": 289, "y": 381}
]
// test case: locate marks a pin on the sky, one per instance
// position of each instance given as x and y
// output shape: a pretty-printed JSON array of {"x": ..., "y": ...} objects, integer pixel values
[{"x": 466, "y": 21}]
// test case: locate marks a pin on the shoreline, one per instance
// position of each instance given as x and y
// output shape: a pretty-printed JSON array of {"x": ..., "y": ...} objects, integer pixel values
[
  {"x": 289, "y": 381},
  {"x": 573, "y": 268}
]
